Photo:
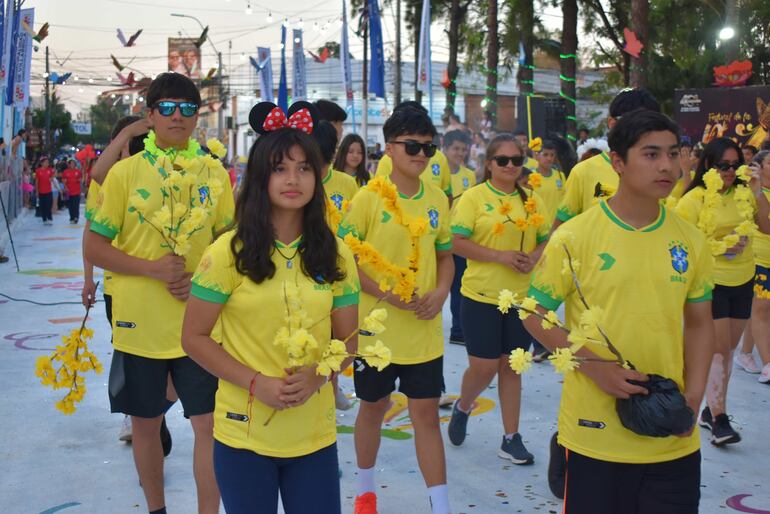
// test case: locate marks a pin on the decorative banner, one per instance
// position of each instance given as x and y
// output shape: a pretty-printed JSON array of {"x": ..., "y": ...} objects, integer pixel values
[
  {"x": 283, "y": 89},
  {"x": 423, "y": 64},
  {"x": 265, "y": 66},
  {"x": 184, "y": 56},
  {"x": 23, "y": 62},
  {"x": 347, "y": 74},
  {"x": 13, "y": 31},
  {"x": 739, "y": 113},
  {"x": 377, "y": 65},
  {"x": 2, "y": 40},
  {"x": 299, "y": 82},
  {"x": 6, "y": 33}
]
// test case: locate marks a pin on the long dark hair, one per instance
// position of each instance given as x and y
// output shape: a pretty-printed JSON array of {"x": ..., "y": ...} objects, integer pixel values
[
  {"x": 254, "y": 241},
  {"x": 362, "y": 176},
  {"x": 712, "y": 154},
  {"x": 492, "y": 148}
]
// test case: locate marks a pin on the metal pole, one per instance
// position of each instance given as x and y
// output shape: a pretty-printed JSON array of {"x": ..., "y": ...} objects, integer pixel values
[
  {"x": 8, "y": 227},
  {"x": 221, "y": 111},
  {"x": 398, "y": 53},
  {"x": 47, "y": 103}
]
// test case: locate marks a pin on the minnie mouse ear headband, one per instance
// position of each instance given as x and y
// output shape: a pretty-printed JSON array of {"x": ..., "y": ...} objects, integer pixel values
[{"x": 266, "y": 117}]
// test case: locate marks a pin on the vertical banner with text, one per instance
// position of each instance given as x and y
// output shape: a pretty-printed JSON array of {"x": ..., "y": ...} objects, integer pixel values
[
  {"x": 265, "y": 67},
  {"x": 299, "y": 83}
]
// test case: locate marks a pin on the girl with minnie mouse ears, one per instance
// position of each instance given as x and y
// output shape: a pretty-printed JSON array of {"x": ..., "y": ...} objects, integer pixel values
[{"x": 280, "y": 236}]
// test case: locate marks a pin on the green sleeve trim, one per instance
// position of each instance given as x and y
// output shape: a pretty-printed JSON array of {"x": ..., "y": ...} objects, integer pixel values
[
  {"x": 563, "y": 215},
  {"x": 542, "y": 238},
  {"x": 207, "y": 294},
  {"x": 346, "y": 300},
  {"x": 89, "y": 214},
  {"x": 462, "y": 230},
  {"x": 706, "y": 297},
  {"x": 344, "y": 230},
  {"x": 543, "y": 299},
  {"x": 104, "y": 230},
  {"x": 443, "y": 247},
  {"x": 448, "y": 191}
]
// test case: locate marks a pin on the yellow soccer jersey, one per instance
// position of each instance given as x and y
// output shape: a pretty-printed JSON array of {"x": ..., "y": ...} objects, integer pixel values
[
  {"x": 147, "y": 320},
  {"x": 412, "y": 341},
  {"x": 475, "y": 216},
  {"x": 589, "y": 181},
  {"x": 733, "y": 271},
  {"x": 292, "y": 432},
  {"x": 339, "y": 187},
  {"x": 463, "y": 180},
  {"x": 531, "y": 163},
  {"x": 762, "y": 242},
  {"x": 93, "y": 194},
  {"x": 642, "y": 279},
  {"x": 679, "y": 187},
  {"x": 437, "y": 171},
  {"x": 552, "y": 192}
]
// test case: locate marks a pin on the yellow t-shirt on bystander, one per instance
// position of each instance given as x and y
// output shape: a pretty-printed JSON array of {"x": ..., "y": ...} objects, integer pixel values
[
  {"x": 588, "y": 182},
  {"x": 91, "y": 198},
  {"x": 552, "y": 192},
  {"x": 411, "y": 341},
  {"x": 339, "y": 187},
  {"x": 147, "y": 320},
  {"x": 762, "y": 242},
  {"x": 476, "y": 216},
  {"x": 292, "y": 432},
  {"x": 641, "y": 279},
  {"x": 462, "y": 181}
]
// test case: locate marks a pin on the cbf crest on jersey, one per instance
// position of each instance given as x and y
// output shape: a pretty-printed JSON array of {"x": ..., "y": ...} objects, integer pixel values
[
  {"x": 466, "y": 182},
  {"x": 337, "y": 199},
  {"x": 679, "y": 257},
  {"x": 433, "y": 217},
  {"x": 435, "y": 169}
]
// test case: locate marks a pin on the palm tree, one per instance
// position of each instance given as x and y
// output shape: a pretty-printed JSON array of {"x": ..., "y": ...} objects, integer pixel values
[
  {"x": 640, "y": 17},
  {"x": 458, "y": 10},
  {"x": 493, "y": 51},
  {"x": 569, "y": 43}
]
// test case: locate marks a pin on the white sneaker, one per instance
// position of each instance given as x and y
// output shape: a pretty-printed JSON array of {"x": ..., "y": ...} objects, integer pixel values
[
  {"x": 125, "y": 431},
  {"x": 746, "y": 362},
  {"x": 445, "y": 400},
  {"x": 341, "y": 401},
  {"x": 764, "y": 377}
]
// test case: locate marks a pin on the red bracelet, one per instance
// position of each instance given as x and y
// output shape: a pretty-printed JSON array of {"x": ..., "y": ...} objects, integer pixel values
[
  {"x": 250, "y": 401},
  {"x": 252, "y": 384}
]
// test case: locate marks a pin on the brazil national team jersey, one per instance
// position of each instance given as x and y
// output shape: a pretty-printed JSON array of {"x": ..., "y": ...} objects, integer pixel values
[
  {"x": 588, "y": 182},
  {"x": 552, "y": 192},
  {"x": 762, "y": 242},
  {"x": 463, "y": 180},
  {"x": 93, "y": 194},
  {"x": 642, "y": 279},
  {"x": 340, "y": 187},
  {"x": 475, "y": 216},
  {"x": 292, "y": 432},
  {"x": 728, "y": 271},
  {"x": 147, "y": 320},
  {"x": 411, "y": 341},
  {"x": 437, "y": 172}
]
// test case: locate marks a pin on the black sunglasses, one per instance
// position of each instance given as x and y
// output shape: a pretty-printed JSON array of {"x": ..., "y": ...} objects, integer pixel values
[
  {"x": 725, "y": 165},
  {"x": 413, "y": 148},
  {"x": 503, "y": 160},
  {"x": 167, "y": 108}
]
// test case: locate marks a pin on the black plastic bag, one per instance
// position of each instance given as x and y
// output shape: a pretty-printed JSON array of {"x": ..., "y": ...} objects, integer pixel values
[{"x": 661, "y": 413}]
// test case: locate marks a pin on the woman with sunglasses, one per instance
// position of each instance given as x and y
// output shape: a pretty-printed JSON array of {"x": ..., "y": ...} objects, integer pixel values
[
  {"x": 733, "y": 274},
  {"x": 500, "y": 256}
]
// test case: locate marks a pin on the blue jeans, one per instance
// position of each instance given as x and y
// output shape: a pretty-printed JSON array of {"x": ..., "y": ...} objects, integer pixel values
[
  {"x": 249, "y": 482},
  {"x": 454, "y": 301}
]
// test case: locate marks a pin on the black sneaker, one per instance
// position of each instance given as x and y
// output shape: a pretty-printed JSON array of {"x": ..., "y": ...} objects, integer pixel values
[
  {"x": 515, "y": 451},
  {"x": 165, "y": 438},
  {"x": 557, "y": 467},
  {"x": 722, "y": 432},
  {"x": 458, "y": 424},
  {"x": 705, "y": 420}
]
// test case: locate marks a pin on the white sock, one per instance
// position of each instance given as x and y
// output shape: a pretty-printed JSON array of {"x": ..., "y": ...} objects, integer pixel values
[
  {"x": 439, "y": 499},
  {"x": 365, "y": 480},
  {"x": 509, "y": 437}
]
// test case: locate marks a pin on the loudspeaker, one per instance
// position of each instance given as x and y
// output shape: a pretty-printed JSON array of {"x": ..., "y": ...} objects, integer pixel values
[{"x": 542, "y": 116}]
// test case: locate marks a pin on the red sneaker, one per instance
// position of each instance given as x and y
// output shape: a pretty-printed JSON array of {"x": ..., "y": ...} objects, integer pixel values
[{"x": 366, "y": 504}]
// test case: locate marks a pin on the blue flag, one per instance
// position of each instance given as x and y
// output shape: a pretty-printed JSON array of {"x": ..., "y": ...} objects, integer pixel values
[
  {"x": 377, "y": 65},
  {"x": 283, "y": 90},
  {"x": 13, "y": 26}
]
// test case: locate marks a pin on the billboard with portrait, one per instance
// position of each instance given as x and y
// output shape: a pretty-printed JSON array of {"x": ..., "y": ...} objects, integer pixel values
[{"x": 184, "y": 57}]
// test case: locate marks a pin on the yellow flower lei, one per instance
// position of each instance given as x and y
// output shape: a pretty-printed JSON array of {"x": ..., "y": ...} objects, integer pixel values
[
  {"x": 401, "y": 280},
  {"x": 533, "y": 218},
  {"x": 75, "y": 359},
  {"x": 712, "y": 198}
]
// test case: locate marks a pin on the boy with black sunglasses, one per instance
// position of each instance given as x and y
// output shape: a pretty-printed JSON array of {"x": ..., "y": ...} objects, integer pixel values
[
  {"x": 151, "y": 284},
  {"x": 418, "y": 215}
]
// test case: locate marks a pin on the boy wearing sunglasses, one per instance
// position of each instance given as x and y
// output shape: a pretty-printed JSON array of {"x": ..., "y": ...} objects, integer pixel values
[
  {"x": 594, "y": 179},
  {"x": 436, "y": 171},
  {"x": 150, "y": 288},
  {"x": 414, "y": 332}
]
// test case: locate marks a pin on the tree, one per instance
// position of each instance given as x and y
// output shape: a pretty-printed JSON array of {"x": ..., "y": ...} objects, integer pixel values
[
  {"x": 458, "y": 10},
  {"x": 61, "y": 122},
  {"x": 104, "y": 114},
  {"x": 609, "y": 25},
  {"x": 334, "y": 50},
  {"x": 493, "y": 56},
  {"x": 640, "y": 24},
  {"x": 568, "y": 61}
]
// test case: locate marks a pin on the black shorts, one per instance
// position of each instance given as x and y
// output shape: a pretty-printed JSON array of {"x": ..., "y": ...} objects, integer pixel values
[
  {"x": 416, "y": 381},
  {"x": 489, "y": 333},
  {"x": 600, "y": 487},
  {"x": 137, "y": 385},
  {"x": 732, "y": 301}
]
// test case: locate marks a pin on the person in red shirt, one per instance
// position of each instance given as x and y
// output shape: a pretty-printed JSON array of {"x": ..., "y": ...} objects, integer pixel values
[
  {"x": 73, "y": 178},
  {"x": 43, "y": 176}
]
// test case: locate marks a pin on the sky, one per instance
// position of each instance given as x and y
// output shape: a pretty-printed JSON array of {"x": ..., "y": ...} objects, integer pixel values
[{"x": 82, "y": 36}]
